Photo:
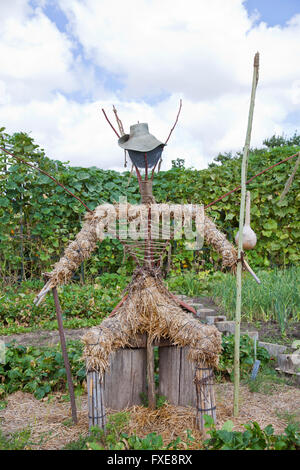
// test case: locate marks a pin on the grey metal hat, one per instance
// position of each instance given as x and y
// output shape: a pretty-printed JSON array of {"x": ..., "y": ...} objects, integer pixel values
[{"x": 139, "y": 139}]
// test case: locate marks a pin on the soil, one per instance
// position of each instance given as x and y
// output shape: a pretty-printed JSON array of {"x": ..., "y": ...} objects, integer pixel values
[
  {"x": 270, "y": 332},
  {"x": 41, "y": 338}
]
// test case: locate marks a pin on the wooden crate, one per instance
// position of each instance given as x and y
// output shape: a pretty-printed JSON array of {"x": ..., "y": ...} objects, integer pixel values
[{"x": 126, "y": 381}]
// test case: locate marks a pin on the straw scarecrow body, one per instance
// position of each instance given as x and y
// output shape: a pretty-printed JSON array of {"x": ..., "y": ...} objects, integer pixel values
[{"x": 147, "y": 307}]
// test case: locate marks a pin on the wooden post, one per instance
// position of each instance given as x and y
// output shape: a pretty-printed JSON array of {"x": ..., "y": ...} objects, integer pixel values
[
  {"x": 150, "y": 375},
  {"x": 65, "y": 354},
  {"x": 240, "y": 244},
  {"x": 206, "y": 404}
]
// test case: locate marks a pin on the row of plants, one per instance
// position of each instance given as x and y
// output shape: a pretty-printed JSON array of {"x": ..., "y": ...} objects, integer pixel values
[
  {"x": 38, "y": 218},
  {"x": 41, "y": 371},
  {"x": 82, "y": 305},
  {"x": 277, "y": 298}
]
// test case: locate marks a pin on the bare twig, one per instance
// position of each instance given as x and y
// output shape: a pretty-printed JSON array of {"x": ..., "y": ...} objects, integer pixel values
[
  {"x": 110, "y": 123},
  {"x": 119, "y": 122},
  {"x": 290, "y": 180},
  {"x": 180, "y": 106},
  {"x": 249, "y": 181}
]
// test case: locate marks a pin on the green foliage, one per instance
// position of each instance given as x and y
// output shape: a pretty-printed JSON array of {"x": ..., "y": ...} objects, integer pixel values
[
  {"x": 116, "y": 439},
  {"x": 19, "y": 440},
  {"x": 254, "y": 438},
  {"x": 226, "y": 364},
  {"x": 281, "y": 141},
  {"x": 81, "y": 305},
  {"x": 191, "y": 284},
  {"x": 40, "y": 370},
  {"x": 38, "y": 218}
]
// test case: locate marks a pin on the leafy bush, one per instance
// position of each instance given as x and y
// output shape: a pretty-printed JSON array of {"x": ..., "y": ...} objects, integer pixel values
[
  {"x": 82, "y": 305},
  {"x": 254, "y": 438},
  {"x": 226, "y": 364},
  {"x": 38, "y": 218},
  {"x": 40, "y": 371}
]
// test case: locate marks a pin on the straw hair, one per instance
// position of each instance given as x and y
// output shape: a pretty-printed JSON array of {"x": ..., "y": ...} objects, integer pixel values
[{"x": 149, "y": 308}]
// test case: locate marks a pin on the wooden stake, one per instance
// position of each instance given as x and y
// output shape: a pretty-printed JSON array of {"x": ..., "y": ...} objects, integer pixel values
[
  {"x": 65, "y": 354},
  {"x": 150, "y": 375},
  {"x": 240, "y": 244},
  {"x": 96, "y": 405}
]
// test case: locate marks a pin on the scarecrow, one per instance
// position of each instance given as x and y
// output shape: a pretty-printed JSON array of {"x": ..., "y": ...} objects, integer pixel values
[{"x": 147, "y": 308}]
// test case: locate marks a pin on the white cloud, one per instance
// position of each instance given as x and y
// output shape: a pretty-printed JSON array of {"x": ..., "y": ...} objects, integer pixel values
[{"x": 199, "y": 51}]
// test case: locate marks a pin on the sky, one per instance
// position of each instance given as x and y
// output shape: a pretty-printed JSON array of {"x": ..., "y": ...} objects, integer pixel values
[{"x": 62, "y": 61}]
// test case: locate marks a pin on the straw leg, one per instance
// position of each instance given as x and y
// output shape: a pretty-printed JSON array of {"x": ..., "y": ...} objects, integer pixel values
[
  {"x": 205, "y": 396},
  {"x": 90, "y": 397},
  {"x": 96, "y": 406}
]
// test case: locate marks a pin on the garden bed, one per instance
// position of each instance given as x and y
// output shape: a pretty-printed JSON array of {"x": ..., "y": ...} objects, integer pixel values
[{"x": 51, "y": 427}]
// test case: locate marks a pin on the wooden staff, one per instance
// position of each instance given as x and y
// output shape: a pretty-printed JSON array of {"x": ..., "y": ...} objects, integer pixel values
[
  {"x": 150, "y": 375},
  {"x": 65, "y": 354},
  {"x": 240, "y": 244}
]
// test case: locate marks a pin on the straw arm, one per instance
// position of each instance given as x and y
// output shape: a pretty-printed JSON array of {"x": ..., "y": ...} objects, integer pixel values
[
  {"x": 219, "y": 242},
  {"x": 221, "y": 245},
  {"x": 84, "y": 244},
  {"x": 76, "y": 252}
]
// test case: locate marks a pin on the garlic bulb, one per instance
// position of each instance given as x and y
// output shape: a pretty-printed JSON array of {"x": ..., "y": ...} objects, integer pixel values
[{"x": 249, "y": 236}]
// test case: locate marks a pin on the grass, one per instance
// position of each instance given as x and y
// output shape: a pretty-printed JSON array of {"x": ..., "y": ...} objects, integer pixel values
[
  {"x": 277, "y": 298},
  {"x": 19, "y": 440},
  {"x": 265, "y": 380}
]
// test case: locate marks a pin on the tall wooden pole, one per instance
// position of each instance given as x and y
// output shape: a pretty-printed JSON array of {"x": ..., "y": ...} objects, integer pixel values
[
  {"x": 240, "y": 243},
  {"x": 65, "y": 354}
]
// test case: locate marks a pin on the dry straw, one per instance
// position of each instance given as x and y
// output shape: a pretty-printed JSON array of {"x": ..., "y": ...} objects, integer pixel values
[
  {"x": 86, "y": 240},
  {"x": 149, "y": 308}
]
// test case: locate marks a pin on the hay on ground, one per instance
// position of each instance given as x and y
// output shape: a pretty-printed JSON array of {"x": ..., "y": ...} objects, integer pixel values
[{"x": 49, "y": 421}]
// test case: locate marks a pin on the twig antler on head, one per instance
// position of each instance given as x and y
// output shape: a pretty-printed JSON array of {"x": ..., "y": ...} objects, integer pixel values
[{"x": 180, "y": 106}]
